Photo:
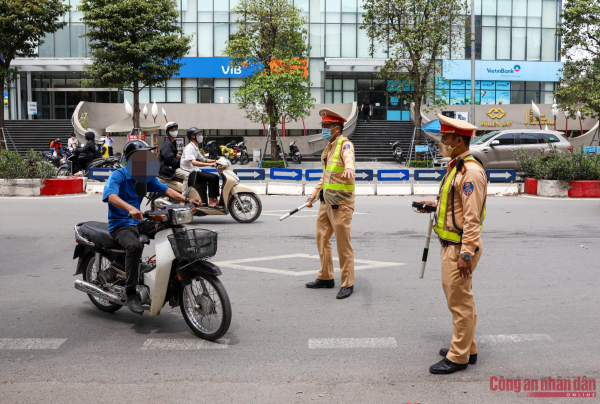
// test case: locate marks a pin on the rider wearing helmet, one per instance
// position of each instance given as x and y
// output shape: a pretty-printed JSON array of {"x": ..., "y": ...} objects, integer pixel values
[
  {"x": 124, "y": 215},
  {"x": 88, "y": 153},
  {"x": 57, "y": 151},
  {"x": 192, "y": 160},
  {"x": 170, "y": 160},
  {"x": 103, "y": 147}
]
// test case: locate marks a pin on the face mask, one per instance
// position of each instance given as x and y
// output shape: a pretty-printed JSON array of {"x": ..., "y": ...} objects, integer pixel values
[
  {"x": 173, "y": 133},
  {"x": 326, "y": 134},
  {"x": 445, "y": 151},
  {"x": 199, "y": 139}
]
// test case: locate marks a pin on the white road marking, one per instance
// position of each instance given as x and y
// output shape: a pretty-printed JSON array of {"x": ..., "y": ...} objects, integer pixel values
[
  {"x": 512, "y": 338},
  {"x": 40, "y": 198},
  {"x": 554, "y": 199},
  {"x": 235, "y": 264},
  {"x": 351, "y": 343},
  {"x": 184, "y": 344},
  {"x": 31, "y": 343}
]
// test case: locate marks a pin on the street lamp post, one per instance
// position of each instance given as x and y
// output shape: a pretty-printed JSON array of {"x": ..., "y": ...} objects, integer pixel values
[
  {"x": 554, "y": 113},
  {"x": 473, "y": 62},
  {"x": 580, "y": 124}
]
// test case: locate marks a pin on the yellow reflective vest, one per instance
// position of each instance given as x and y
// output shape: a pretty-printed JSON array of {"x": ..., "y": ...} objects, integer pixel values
[
  {"x": 445, "y": 205},
  {"x": 336, "y": 190}
]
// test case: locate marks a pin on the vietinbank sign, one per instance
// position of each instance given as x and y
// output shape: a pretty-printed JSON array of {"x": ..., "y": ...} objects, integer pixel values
[
  {"x": 217, "y": 67},
  {"x": 502, "y": 70}
]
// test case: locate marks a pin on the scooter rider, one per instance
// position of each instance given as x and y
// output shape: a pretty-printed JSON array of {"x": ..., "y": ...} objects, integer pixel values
[
  {"x": 192, "y": 160},
  {"x": 170, "y": 159},
  {"x": 125, "y": 221}
]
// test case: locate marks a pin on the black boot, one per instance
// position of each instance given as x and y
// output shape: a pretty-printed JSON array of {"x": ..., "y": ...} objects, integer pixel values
[
  {"x": 320, "y": 283},
  {"x": 445, "y": 367},
  {"x": 472, "y": 358},
  {"x": 345, "y": 292},
  {"x": 134, "y": 303}
]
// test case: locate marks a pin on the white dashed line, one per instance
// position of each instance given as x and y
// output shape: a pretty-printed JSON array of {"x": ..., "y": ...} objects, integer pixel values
[
  {"x": 351, "y": 343},
  {"x": 512, "y": 338},
  {"x": 235, "y": 264},
  {"x": 184, "y": 344},
  {"x": 31, "y": 343}
]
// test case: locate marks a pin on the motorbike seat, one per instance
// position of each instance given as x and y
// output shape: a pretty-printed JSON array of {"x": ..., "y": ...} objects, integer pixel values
[{"x": 97, "y": 232}]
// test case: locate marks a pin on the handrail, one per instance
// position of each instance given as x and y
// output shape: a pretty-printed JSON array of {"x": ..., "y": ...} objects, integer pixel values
[{"x": 5, "y": 134}]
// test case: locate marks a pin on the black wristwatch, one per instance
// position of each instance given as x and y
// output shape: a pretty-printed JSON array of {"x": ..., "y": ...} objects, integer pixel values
[
  {"x": 187, "y": 200},
  {"x": 466, "y": 256}
]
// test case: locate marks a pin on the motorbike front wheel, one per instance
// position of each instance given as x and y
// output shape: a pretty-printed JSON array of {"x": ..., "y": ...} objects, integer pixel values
[
  {"x": 248, "y": 208},
  {"x": 244, "y": 159},
  {"x": 63, "y": 172},
  {"x": 209, "y": 316}
]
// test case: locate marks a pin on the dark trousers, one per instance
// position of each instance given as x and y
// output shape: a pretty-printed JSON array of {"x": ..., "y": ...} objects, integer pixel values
[
  {"x": 110, "y": 151},
  {"x": 81, "y": 163},
  {"x": 204, "y": 180},
  {"x": 128, "y": 237}
]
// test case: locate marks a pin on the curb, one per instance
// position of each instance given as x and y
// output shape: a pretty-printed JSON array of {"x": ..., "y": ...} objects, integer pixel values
[{"x": 38, "y": 187}]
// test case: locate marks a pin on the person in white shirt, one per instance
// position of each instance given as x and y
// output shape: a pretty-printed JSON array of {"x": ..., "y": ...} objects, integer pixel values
[
  {"x": 73, "y": 143},
  {"x": 192, "y": 160},
  {"x": 109, "y": 143}
]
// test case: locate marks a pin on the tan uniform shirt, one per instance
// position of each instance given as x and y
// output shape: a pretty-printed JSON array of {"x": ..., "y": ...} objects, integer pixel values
[
  {"x": 470, "y": 190},
  {"x": 347, "y": 156}
]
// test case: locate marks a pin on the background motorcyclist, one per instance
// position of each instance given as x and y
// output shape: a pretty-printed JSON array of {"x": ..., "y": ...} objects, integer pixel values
[
  {"x": 125, "y": 220},
  {"x": 170, "y": 159},
  {"x": 57, "y": 151},
  {"x": 87, "y": 153},
  {"x": 193, "y": 160},
  {"x": 103, "y": 147}
]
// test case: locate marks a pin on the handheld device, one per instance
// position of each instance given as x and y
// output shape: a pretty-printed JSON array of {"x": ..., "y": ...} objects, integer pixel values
[{"x": 422, "y": 206}]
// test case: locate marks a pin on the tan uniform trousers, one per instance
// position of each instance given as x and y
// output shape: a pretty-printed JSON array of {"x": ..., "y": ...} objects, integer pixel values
[
  {"x": 339, "y": 222},
  {"x": 459, "y": 295}
]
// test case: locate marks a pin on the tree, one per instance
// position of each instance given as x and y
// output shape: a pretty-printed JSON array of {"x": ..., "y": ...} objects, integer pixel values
[
  {"x": 23, "y": 25},
  {"x": 134, "y": 44},
  {"x": 271, "y": 41},
  {"x": 418, "y": 33},
  {"x": 579, "y": 87}
]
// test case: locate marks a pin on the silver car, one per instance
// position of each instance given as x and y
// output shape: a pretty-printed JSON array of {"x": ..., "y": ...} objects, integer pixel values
[{"x": 496, "y": 149}]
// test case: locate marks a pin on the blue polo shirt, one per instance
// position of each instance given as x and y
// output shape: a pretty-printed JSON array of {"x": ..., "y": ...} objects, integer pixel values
[{"x": 121, "y": 184}]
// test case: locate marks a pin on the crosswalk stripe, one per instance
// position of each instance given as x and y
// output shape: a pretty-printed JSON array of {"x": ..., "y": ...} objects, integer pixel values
[
  {"x": 351, "y": 343},
  {"x": 184, "y": 344},
  {"x": 512, "y": 338},
  {"x": 31, "y": 343}
]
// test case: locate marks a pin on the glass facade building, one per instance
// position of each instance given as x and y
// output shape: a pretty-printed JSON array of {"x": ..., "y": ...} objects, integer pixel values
[{"x": 340, "y": 67}]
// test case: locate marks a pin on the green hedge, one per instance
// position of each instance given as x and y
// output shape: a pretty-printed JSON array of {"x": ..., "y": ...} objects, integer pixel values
[
  {"x": 34, "y": 165},
  {"x": 272, "y": 164},
  {"x": 557, "y": 165},
  {"x": 418, "y": 163}
]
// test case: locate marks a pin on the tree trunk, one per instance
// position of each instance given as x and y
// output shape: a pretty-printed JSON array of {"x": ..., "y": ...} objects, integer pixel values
[
  {"x": 273, "y": 130},
  {"x": 136, "y": 106},
  {"x": 2, "y": 83},
  {"x": 418, "y": 123}
]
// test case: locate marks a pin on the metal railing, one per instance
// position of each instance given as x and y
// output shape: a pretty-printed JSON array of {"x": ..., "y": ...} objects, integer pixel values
[{"x": 5, "y": 135}]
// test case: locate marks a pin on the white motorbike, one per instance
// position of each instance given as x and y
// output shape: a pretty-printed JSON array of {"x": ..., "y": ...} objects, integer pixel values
[{"x": 179, "y": 272}]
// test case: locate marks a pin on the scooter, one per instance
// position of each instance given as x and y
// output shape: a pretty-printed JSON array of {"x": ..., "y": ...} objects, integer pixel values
[
  {"x": 228, "y": 152},
  {"x": 66, "y": 167},
  {"x": 295, "y": 153},
  {"x": 242, "y": 152},
  {"x": 240, "y": 201},
  {"x": 397, "y": 151},
  {"x": 179, "y": 273}
]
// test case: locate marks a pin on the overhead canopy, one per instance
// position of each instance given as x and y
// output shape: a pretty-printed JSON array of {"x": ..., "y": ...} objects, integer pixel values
[
  {"x": 432, "y": 126},
  {"x": 126, "y": 124}
]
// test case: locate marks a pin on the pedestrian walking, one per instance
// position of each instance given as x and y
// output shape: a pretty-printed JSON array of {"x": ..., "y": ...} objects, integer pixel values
[
  {"x": 366, "y": 109},
  {"x": 109, "y": 143},
  {"x": 458, "y": 223},
  {"x": 336, "y": 193}
]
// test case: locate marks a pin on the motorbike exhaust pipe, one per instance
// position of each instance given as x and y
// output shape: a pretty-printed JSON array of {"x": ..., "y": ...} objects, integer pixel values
[{"x": 96, "y": 291}]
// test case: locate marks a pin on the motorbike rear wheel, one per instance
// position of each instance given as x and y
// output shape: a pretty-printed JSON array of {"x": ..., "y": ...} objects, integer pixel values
[
  {"x": 209, "y": 317},
  {"x": 63, "y": 172},
  {"x": 252, "y": 207},
  {"x": 244, "y": 159},
  {"x": 90, "y": 275}
]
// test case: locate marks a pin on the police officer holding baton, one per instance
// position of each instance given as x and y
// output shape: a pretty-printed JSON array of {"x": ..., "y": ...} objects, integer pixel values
[
  {"x": 460, "y": 211},
  {"x": 336, "y": 192}
]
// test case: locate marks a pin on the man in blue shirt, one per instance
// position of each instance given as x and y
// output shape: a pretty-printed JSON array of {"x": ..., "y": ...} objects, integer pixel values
[{"x": 125, "y": 221}]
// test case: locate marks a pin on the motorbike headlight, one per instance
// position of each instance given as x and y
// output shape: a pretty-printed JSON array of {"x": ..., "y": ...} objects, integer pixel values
[{"x": 182, "y": 215}]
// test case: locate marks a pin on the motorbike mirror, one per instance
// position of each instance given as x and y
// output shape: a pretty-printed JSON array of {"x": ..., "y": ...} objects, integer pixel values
[{"x": 141, "y": 189}]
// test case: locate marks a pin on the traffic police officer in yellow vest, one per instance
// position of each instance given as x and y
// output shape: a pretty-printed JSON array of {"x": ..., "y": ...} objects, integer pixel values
[
  {"x": 336, "y": 192},
  {"x": 458, "y": 224}
]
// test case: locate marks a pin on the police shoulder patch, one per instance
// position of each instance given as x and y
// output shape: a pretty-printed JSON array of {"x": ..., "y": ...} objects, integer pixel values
[
  {"x": 346, "y": 147},
  {"x": 468, "y": 188}
]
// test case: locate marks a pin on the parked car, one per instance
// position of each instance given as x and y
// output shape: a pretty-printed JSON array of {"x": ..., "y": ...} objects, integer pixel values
[{"x": 496, "y": 149}]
